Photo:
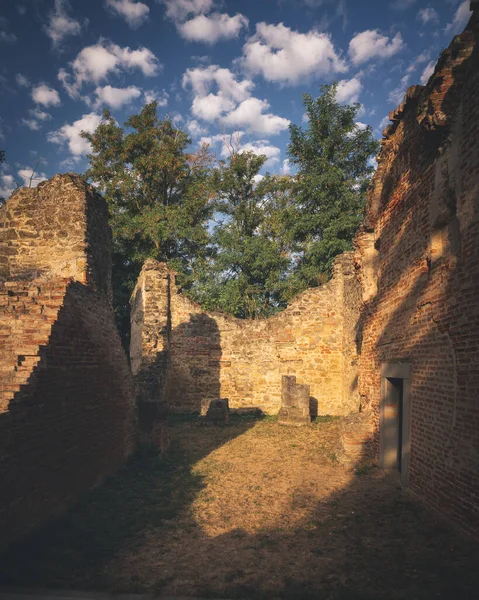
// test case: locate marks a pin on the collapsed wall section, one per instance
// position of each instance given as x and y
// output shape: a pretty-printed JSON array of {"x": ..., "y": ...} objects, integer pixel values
[
  {"x": 67, "y": 402},
  {"x": 192, "y": 355},
  {"x": 418, "y": 261}
]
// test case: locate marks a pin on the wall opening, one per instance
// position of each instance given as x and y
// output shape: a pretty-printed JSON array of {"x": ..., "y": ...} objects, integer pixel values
[{"x": 394, "y": 419}]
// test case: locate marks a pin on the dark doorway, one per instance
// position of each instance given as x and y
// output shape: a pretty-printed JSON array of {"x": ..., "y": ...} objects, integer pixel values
[{"x": 394, "y": 427}]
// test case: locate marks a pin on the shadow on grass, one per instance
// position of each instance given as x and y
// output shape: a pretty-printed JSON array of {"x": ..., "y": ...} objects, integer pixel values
[{"x": 148, "y": 491}]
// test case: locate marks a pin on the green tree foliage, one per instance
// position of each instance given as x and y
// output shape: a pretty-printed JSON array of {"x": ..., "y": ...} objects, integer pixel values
[
  {"x": 157, "y": 194},
  {"x": 332, "y": 156},
  {"x": 247, "y": 273}
]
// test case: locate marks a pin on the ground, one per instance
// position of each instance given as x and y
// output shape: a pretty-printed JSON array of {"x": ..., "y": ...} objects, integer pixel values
[{"x": 252, "y": 510}]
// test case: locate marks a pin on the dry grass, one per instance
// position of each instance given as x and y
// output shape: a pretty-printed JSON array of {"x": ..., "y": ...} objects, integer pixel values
[{"x": 254, "y": 510}]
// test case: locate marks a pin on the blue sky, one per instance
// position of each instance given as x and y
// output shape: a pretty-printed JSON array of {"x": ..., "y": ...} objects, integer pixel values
[{"x": 217, "y": 67}]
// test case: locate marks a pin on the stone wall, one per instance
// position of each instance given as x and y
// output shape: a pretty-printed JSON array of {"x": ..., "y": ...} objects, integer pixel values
[
  {"x": 418, "y": 261},
  {"x": 67, "y": 403},
  {"x": 184, "y": 355}
]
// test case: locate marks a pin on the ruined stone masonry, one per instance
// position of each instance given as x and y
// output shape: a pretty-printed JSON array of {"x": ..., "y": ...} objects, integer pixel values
[
  {"x": 418, "y": 262},
  {"x": 67, "y": 411},
  {"x": 392, "y": 339},
  {"x": 183, "y": 355}
]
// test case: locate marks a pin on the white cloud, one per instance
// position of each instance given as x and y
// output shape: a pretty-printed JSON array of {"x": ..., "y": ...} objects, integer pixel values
[
  {"x": 31, "y": 124},
  {"x": 60, "y": 24},
  {"x": 212, "y": 28},
  {"x": 361, "y": 126},
  {"x": 70, "y": 134},
  {"x": 280, "y": 54},
  {"x": 134, "y": 13},
  {"x": 397, "y": 94},
  {"x": 160, "y": 97},
  {"x": 202, "y": 79},
  {"x": 21, "y": 80},
  {"x": 45, "y": 95},
  {"x": 428, "y": 15},
  {"x": 421, "y": 58},
  {"x": 259, "y": 147},
  {"x": 179, "y": 10},
  {"x": 402, "y": 4},
  {"x": 348, "y": 90},
  {"x": 384, "y": 121},
  {"x": 232, "y": 104},
  {"x": 30, "y": 177},
  {"x": 428, "y": 71},
  {"x": 250, "y": 114},
  {"x": 286, "y": 168},
  {"x": 462, "y": 16},
  {"x": 116, "y": 97},
  {"x": 371, "y": 44},
  {"x": 7, "y": 185},
  {"x": 195, "y": 129},
  {"x": 95, "y": 63},
  {"x": 40, "y": 114}
]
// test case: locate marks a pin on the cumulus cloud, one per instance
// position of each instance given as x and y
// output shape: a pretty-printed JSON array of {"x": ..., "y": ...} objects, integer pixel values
[
  {"x": 371, "y": 44},
  {"x": 462, "y": 16},
  {"x": 428, "y": 15},
  {"x": 7, "y": 185},
  {"x": 69, "y": 135},
  {"x": 45, "y": 95},
  {"x": 428, "y": 71},
  {"x": 134, "y": 13},
  {"x": 195, "y": 129},
  {"x": 160, "y": 97},
  {"x": 251, "y": 115},
  {"x": 95, "y": 63},
  {"x": 233, "y": 143},
  {"x": 60, "y": 24},
  {"x": 212, "y": 28},
  {"x": 31, "y": 124},
  {"x": 30, "y": 177},
  {"x": 6, "y": 36},
  {"x": 286, "y": 168},
  {"x": 280, "y": 54},
  {"x": 349, "y": 90},
  {"x": 231, "y": 102},
  {"x": 116, "y": 97},
  {"x": 397, "y": 94},
  {"x": 36, "y": 117}
]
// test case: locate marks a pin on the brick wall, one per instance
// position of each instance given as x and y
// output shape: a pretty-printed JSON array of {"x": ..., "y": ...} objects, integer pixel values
[
  {"x": 418, "y": 261},
  {"x": 185, "y": 354},
  {"x": 67, "y": 402}
]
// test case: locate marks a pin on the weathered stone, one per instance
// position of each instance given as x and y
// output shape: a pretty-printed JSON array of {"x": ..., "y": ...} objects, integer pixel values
[
  {"x": 195, "y": 354},
  {"x": 67, "y": 398},
  {"x": 295, "y": 402},
  {"x": 215, "y": 411}
]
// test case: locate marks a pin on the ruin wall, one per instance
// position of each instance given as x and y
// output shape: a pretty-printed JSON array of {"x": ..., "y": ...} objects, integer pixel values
[
  {"x": 67, "y": 400},
  {"x": 186, "y": 355},
  {"x": 418, "y": 262}
]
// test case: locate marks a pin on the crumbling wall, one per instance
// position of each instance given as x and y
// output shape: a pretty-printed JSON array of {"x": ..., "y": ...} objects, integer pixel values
[
  {"x": 418, "y": 261},
  {"x": 67, "y": 404},
  {"x": 189, "y": 355}
]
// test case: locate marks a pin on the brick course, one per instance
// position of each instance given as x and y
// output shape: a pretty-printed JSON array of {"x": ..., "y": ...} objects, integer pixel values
[{"x": 67, "y": 411}]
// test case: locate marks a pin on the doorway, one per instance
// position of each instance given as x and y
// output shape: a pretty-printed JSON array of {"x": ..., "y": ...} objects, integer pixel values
[{"x": 394, "y": 419}]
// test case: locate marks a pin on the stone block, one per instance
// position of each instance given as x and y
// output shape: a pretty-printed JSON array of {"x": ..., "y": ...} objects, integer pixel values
[
  {"x": 216, "y": 411},
  {"x": 295, "y": 402}
]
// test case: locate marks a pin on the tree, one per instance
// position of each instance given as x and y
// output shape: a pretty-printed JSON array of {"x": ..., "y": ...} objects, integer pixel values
[
  {"x": 246, "y": 275},
  {"x": 332, "y": 155},
  {"x": 157, "y": 194}
]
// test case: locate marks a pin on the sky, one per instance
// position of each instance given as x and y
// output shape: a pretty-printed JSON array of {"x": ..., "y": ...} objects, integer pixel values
[{"x": 216, "y": 67}]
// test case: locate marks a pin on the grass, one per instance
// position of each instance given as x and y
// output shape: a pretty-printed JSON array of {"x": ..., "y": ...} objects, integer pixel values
[{"x": 252, "y": 510}]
